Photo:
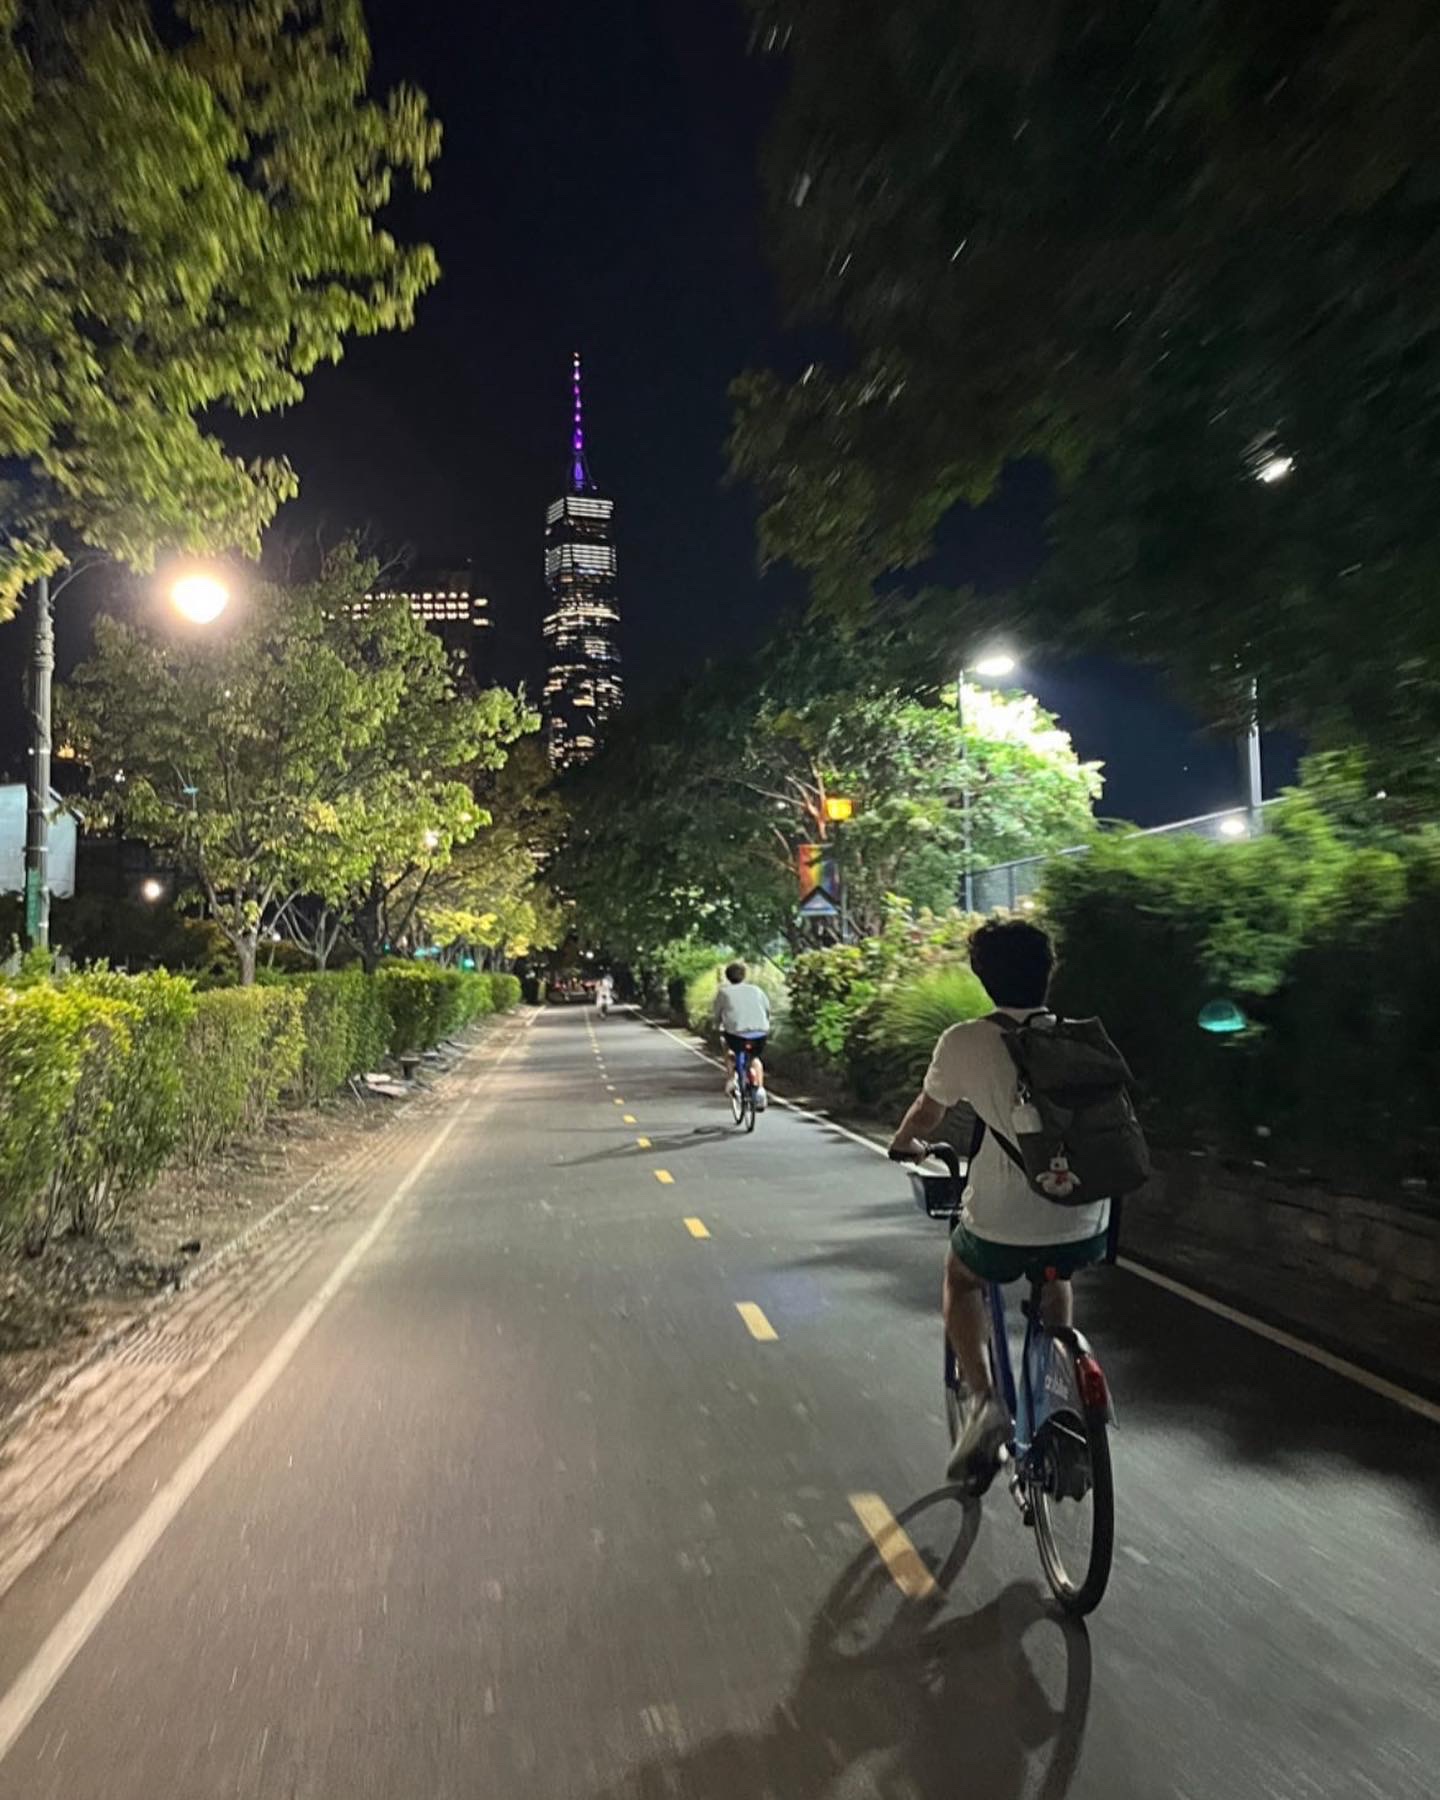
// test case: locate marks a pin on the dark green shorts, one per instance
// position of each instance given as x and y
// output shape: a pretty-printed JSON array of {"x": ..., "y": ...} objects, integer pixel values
[{"x": 1028, "y": 1262}]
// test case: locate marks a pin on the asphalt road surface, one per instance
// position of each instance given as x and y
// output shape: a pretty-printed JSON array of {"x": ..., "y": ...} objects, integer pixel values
[{"x": 503, "y": 1496}]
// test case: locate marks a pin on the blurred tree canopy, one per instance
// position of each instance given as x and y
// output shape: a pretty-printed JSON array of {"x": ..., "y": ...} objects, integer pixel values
[
  {"x": 1189, "y": 255},
  {"x": 686, "y": 826},
  {"x": 188, "y": 203}
]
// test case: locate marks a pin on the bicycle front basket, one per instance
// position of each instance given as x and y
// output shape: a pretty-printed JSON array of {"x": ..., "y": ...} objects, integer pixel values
[{"x": 937, "y": 1196}]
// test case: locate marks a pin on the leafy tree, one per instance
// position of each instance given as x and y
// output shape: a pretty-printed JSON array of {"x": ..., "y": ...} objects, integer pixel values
[
  {"x": 307, "y": 750},
  {"x": 687, "y": 826},
  {"x": 1168, "y": 249},
  {"x": 188, "y": 201}
]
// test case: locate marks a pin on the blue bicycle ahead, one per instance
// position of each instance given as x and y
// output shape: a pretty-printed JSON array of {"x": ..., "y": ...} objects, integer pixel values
[
  {"x": 742, "y": 1093},
  {"x": 1058, "y": 1456}
]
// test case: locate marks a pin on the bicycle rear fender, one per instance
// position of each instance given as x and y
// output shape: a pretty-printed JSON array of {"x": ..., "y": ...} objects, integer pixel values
[{"x": 1094, "y": 1388}]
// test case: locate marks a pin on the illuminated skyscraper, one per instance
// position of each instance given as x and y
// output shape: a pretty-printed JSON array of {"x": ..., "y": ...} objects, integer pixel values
[{"x": 582, "y": 627}]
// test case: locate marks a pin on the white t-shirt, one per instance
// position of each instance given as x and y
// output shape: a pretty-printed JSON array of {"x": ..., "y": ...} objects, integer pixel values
[
  {"x": 743, "y": 1008},
  {"x": 972, "y": 1063}
]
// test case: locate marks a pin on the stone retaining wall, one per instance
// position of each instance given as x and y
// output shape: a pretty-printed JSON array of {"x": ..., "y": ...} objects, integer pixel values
[{"x": 1361, "y": 1274}]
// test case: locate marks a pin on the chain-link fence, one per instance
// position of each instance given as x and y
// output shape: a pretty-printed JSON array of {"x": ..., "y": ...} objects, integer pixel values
[{"x": 1006, "y": 887}]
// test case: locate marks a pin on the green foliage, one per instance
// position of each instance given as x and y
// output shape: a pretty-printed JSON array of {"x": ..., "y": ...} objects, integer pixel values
[
  {"x": 1327, "y": 947},
  {"x": 188, "y": 223},
  {"x": 244, "y": 1050},
  {"x": 347, "y": 1030},
  {"x": 45, "y": 1037},
  {"x": 308, "y": 747},
  {"x": 829, "y": 990},
  {"x": 1154, "y": 245},
  {"x": 426, "y": 1005},
  {"x": 504, "y": 991},
  {"x": 911, "y": 1016},
  {"x": 687, "y": 824}
]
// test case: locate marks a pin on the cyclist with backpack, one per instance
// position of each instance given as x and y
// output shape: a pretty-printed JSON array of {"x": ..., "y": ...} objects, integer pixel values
[{"x": 1056, "y": 1141}]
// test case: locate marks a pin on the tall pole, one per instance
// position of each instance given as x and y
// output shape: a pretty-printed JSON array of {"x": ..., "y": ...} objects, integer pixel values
[
  {"x": 37, "y": 819},
  {"x": 966, "y": 798},
  {"x": 1250, "y": 766}
]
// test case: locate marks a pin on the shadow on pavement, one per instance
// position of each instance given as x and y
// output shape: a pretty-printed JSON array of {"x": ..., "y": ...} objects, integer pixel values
[
  {"x": 907, "y": 1699},
  {"x": 1264, "y": 1405},
  {"x": 678, "y": 1140}
]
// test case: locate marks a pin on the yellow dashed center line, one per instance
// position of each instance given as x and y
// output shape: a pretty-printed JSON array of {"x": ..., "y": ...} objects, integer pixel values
[
  {"x": 665, "y": 1178},
  {"x": 696, "y": 1228},
  {"x": 889, "y": 1537},
  {"x": 629, "y": 1119},
  {"x": 618, "y": 1101},
  {"x": 643, "y": 1142},
  {"x": 756, "y": 1323}
]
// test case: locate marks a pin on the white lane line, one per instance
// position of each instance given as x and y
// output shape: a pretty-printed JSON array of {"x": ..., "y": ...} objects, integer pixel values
[
  {"x": 1274, "y": 1334},
  {"x": 70, "y": 1635}
]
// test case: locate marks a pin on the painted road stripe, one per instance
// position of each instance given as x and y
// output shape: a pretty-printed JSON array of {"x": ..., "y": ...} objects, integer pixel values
[
  {"x": 90, "y": 1606},
  {"x": 889, "y": 1537},
  {"x": 696, "y": 1228},
  {"x": 665, "y": 1178},
  {"x": 756, "y": 1323},
  {"x": 630, "y": 1119},
  {"x": 1273, "y": 1334},
  {"x": 618, "y": 1101},
  {"x": 643, "y": 1142}
]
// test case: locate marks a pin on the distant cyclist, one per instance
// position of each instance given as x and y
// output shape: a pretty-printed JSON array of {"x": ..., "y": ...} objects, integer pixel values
[
  {"x": 605, "y": 993},
  {"x": 742, "y": 1011}
]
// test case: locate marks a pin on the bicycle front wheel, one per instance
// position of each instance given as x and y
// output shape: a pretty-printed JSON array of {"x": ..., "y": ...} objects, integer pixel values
[
  {"x": 1071, "y": 1490},
  {"x": 737, "y": 1103}
]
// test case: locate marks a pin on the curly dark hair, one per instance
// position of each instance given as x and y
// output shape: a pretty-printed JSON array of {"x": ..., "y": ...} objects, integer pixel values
[{"x": 1014, "y": 961}]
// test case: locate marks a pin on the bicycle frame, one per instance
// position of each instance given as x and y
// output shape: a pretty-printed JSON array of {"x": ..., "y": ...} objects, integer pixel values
[{"x": 1048, "y": 1383}]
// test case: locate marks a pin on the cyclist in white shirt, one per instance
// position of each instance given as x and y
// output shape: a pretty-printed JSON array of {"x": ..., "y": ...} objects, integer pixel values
[
  {"x": 1006, "y": 1230},
  {"x": 742, "y": 1011}
]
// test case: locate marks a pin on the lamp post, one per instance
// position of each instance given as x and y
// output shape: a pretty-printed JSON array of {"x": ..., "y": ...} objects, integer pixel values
[
  {"x": 200, "y": 597},
  {"x": 993, "y": 666}
]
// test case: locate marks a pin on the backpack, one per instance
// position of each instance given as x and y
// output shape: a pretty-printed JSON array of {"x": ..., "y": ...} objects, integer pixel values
[{"x": 1076, "y": 1137}]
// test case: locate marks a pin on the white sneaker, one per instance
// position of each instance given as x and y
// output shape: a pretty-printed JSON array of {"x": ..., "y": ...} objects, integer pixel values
[
  {"x": 762, "y": 1100},
  {"x": 984, "y": 1433}
]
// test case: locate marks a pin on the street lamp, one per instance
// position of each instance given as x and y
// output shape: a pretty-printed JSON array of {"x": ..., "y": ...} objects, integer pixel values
[
  {"x": 201, "y": 597},
  {"x": 994, "y": 665},
  {"x": 152, "y": 889}
]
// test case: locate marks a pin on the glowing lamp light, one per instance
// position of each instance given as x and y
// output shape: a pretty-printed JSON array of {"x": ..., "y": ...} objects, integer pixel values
[
  {"x": 838, "y": 808},
  {"x": 199, "y": 597},
  {"x": 1221, "y": 1017},
  {"x": 1233, "y": 826},
  {"x": 1275, "y": 468},
  {"x": 432, "y": 840},
  {"x": 995, "y": 666},
  {"x": 151, "y": 889}
]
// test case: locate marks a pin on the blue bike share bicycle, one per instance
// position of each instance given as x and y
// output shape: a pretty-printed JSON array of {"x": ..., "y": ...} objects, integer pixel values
[
  {"x": 1058, "y": 1457},
  {"x": 742, "y": 1093}
]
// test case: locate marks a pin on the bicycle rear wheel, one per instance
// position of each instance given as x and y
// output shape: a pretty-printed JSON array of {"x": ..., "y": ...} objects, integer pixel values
[
  {"x": 737, "y": 1103},
  {"x": 1071, "y": 1489}
]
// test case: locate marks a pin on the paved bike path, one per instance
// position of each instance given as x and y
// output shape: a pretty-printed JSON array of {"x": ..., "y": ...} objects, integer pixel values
[{"x": 531, "y": 1512}]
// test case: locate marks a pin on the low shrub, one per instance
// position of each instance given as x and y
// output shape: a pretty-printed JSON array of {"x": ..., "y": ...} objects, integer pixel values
[
  {"x": 504, "y": 992},
  {"x": 45, "y": 1036},
  {"x": 244, "y": 1049},
  {"x": 426, "y": 1005},
  {"x": 910, "y": 1016},
  {"x": 829, "y": 990},
  {"x": 346, "y": 1028}
]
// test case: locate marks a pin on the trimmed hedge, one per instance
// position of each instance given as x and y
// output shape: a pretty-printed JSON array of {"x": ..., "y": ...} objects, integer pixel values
[{"x": 105, "y": 1078}]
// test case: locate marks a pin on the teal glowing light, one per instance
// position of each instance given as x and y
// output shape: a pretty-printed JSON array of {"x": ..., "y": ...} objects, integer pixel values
[{"x": 1221, "y": 1016}]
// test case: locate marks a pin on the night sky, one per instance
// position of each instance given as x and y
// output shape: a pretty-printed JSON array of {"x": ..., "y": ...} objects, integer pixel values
[{"x": 598, "y": 190}]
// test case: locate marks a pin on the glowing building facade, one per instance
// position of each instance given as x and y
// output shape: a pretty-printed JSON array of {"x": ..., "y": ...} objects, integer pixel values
[{"x": 582, "y": 627}]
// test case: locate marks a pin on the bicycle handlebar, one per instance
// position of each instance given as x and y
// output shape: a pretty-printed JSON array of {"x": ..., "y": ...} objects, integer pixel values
[{"x": 943, "y": 1153}]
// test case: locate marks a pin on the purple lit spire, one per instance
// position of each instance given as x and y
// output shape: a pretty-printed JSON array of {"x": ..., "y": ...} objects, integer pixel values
[{"x": 580, "y": 482}]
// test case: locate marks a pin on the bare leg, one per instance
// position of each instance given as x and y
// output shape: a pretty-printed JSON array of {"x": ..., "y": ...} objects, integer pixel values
[
  {"x": 1057, "y": 1304},
  {"x": 967, "y": 1324},
  {"x": 757, "y": 1072}
]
